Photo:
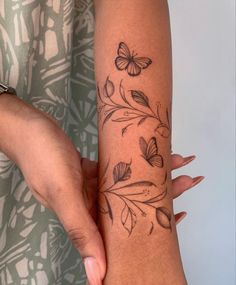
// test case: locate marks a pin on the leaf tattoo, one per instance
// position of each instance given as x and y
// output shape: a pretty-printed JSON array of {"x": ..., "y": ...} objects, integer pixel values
[
  {"x": 150, "y": 152},
  {"x": 121, "y": 172},
  {"x": 128, "y": 218},
  {"x": 140, "y": 98},
  {"x": 163, "y": 217},
  {"x": 109, "y": 88},
  {"x": 134, "y": 202}
]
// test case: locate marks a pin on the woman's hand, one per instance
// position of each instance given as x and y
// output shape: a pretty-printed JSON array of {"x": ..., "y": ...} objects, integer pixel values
[
  {"x": 183, "y": 182},
  {"x": 51, "y": 167},
  {"x": 52, "y": 170}
]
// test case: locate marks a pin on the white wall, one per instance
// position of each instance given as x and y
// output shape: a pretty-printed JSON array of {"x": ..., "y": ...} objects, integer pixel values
[{"x": 203, "y": 123}]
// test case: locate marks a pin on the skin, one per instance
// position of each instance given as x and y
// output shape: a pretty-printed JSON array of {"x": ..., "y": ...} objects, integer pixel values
[
  {"x": 135, "y": 159},
  {"x": 71, "y": 180}
]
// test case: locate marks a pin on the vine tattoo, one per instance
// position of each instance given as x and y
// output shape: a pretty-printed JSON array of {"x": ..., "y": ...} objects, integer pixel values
[
  {"x": 139, "y": 109},
  {"x": 129, "y": 61},
  {"x": 129, "y": 108},
  {"x": 134, "y": 202}
]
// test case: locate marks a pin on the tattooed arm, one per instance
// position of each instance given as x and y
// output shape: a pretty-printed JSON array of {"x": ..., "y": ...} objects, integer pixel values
[{"x": 134, "y": 88}]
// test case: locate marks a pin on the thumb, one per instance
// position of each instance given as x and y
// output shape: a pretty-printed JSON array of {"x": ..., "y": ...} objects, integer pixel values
[{"x": 82, "y": 231}]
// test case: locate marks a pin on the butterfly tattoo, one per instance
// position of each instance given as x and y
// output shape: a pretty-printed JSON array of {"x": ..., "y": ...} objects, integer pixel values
[
  {"x": 150, "y": 152},
  {"x": 130, "y": 62}
]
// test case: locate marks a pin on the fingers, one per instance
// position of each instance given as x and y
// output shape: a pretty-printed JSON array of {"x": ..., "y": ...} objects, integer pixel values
[
  {"x": 82, "y": 231},
  {"x": 90, "y": 167},
  {"x": 181, "y": 184},
  {"x": 178, "y": 160},
  {"x": 184, "y": 182},
  {"x": 179, "y": 217}
]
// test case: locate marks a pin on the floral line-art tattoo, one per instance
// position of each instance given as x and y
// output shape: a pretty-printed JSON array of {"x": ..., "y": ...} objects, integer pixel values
[
  {"x": 127, "y": 112},
  {"x": 130, "y": 62},
  {"x": 134, "y": 202}
]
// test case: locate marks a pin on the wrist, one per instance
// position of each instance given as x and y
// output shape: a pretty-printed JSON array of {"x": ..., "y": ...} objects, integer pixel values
[
  {"x": 9, "y": 104},
  {"x": 5, "y": 97},
  {"x": 17, "y": 120}
]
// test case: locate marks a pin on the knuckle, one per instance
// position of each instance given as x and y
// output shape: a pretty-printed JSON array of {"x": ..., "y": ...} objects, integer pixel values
[
  {"x": 81, "y": 238},
  {"x": 78, "y": 238}
]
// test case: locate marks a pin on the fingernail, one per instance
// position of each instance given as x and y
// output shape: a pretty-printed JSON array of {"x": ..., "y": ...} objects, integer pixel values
[
  {"x": 181, "y": 218},
  {"x": 197, "y": 180},
  {"x": 188, "y": 159},
  {"x": 92, "y": 271}
]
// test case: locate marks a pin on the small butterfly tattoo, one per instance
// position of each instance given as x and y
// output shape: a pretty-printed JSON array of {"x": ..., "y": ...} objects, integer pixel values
[
  {"x": 130, "y": 62},
  {"x": 150, "y": 152}
]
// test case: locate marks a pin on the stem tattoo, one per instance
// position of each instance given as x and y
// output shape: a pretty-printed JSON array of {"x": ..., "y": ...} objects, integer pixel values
[
  {"x": 139, "y": 109},
  {"x": 135, "y": 201}
]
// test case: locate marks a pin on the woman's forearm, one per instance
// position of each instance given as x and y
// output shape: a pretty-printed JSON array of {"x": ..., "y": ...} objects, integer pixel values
[{"x": 134, "y": 87}]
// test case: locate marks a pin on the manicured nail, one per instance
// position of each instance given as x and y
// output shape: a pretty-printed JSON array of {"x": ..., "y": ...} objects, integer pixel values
[
  {"x": 183, "y": 215},
  {"x": 92, "y": 271},
  {"x": 188, "y": 159},
  {"x": 197, "y": 180}
]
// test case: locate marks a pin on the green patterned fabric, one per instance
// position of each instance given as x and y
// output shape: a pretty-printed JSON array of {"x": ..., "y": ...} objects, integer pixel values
[{"x": 46, "y": 52}]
